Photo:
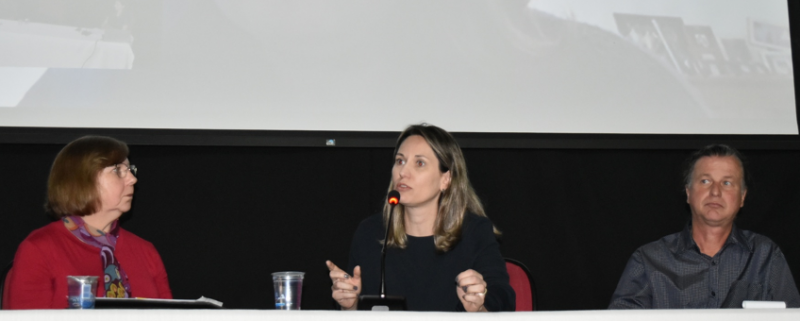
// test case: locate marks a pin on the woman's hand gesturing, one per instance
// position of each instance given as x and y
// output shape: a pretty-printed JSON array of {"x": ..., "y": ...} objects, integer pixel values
[{"x": 346, "y": 288}]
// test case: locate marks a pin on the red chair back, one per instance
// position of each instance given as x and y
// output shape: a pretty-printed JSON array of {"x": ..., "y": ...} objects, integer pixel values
[
  {"x": 6, "y": 290},
  {"x": 521, "y": 282}
]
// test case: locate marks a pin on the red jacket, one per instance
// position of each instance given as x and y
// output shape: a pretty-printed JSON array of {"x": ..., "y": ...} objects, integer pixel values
[{"x": 49, "y": 254}]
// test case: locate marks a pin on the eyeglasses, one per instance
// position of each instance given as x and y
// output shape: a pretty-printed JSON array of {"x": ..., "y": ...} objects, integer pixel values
[{"x": 122, "y": 170}]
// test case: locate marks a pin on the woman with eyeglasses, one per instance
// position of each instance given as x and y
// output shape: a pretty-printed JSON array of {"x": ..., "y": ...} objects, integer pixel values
[{"x": 89, "y": 188}]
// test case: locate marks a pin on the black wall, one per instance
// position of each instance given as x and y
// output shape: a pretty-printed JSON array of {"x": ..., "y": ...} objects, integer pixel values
[{"x": 224, "y": 218}]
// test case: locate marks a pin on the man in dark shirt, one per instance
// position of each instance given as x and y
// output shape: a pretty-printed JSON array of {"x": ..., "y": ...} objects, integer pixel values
[{"x": 711, "y": 263}]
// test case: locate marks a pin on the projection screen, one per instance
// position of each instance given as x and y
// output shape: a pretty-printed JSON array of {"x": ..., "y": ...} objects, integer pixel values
[{"x": 539, "y": 66}]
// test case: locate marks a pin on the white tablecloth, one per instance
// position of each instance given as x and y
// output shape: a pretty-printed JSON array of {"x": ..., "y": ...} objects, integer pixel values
[{"x": 261, "y": 315}]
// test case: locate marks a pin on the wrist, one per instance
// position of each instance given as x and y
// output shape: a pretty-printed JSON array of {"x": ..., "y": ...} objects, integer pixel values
[{"x": 351, "y": 308}]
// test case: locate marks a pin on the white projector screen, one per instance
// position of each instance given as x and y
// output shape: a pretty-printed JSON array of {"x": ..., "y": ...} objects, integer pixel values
[{"x": 539, "y": 66}]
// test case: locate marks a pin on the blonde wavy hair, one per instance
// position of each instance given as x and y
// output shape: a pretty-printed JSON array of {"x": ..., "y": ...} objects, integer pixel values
[{"x": 454, "y": 202}]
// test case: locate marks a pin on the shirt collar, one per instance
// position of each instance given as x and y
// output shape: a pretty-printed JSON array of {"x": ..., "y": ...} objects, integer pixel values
[
  {"x": 686, "y": 242},
  {"x": 737, "y": 237}
]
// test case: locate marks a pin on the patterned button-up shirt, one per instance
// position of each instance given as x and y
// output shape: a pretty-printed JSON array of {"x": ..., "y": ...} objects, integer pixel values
[{"x": 672, "y": 273}]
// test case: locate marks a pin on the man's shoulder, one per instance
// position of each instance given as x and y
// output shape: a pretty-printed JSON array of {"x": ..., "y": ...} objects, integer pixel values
[
  {"x": 671, "y": 244},
  {"x": 678, "y": 242},
  {"x": 757, "y": 242}
]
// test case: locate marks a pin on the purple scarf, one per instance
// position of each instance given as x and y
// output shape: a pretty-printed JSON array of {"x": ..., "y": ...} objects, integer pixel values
[{"x": 115, "y": 279}]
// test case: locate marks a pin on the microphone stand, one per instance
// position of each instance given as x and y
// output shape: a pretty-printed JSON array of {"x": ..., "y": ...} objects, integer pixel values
[
  {"x": 383, "y": 251},
  {"x": 383, "y": 302}
]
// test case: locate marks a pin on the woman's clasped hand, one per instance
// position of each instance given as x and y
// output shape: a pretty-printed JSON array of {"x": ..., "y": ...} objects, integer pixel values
[{"x": 471, "y": 290}]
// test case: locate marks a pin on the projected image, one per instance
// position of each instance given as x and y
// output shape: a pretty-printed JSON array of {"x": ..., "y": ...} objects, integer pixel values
[
  {"x": 664, "y": 37},
  {"x": 707, "y": 53},
  {"x": 532, "y": 66},
  {"x": 39, "y": 34},
  {"x": 736, "y": 55},
  {"x": 66, "y": 34},
  {"x": 667, "y": 37}
]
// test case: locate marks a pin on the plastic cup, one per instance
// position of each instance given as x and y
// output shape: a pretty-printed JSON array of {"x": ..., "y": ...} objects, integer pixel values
[
  {"x": 288, "y": 289},
  {"x": 81, "y": 291}
]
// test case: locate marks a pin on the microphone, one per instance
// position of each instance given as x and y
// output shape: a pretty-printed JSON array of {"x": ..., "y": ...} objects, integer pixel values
[
  {"x": 382, "y": 302},
  {"x": 393, "y": 199}
]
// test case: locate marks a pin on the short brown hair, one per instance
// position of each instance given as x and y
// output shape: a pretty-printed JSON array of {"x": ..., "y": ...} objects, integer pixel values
[
  {"x": 72, "y": 186},
  {"x": 718, "y": 150}
]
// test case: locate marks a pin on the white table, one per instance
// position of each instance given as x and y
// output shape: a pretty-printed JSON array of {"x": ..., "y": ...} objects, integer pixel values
[{"x": 262, "y": 315}]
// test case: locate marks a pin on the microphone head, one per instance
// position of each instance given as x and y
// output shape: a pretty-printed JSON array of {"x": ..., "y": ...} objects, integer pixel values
[{"x": 393, "y": 198}]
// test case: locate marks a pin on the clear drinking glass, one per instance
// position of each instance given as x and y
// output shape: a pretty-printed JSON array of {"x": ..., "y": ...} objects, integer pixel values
[
  {"x": 288, "y": 289},
  {"x": 81, "y": 291}
]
